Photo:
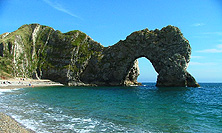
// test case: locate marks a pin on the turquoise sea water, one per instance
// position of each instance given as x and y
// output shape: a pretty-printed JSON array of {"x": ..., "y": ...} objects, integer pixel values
[{"x": 116, "y": 109}]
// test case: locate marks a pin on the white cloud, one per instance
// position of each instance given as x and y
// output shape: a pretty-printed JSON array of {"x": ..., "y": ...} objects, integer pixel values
[
  {"x": 219, "y": 46},
  {"x": 218, "y": 49},
  {"x": 219, "y": 33},
  {"x": 211, "y": 51},
  {"x": 196, "y": 57},
  {"x": 59, "y": 7},
  {"x": 198, "y": 24},
  {"x": 202, "y": 64}
]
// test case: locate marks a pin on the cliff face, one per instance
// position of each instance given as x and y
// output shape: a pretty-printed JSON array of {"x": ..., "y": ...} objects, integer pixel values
[
  {"x": 41, "y": 52},
  {"x": 73, "y": 58}
]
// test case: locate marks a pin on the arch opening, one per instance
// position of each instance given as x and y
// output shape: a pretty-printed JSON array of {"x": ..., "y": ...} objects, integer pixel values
[{"x": 147, "y": 72}]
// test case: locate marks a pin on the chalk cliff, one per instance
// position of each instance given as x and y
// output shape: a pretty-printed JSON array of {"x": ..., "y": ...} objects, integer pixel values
[{"x": 74, "y": 59}]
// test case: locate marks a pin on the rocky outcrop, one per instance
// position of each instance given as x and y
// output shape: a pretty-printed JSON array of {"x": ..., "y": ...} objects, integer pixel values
[
  {"x": 41, "y": 52},
  {"x": 167, "y": 50},
  {"x": 73, "y": 58}
]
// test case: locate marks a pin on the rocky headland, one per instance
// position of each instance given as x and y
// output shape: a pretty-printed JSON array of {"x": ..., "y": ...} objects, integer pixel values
[{"x": 75, "y": 59}]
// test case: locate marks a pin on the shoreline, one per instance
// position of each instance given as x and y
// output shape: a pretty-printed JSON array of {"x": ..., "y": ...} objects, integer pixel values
[
  {"x": 9, "y": 124},
  {"x": 25, "y": 83}
]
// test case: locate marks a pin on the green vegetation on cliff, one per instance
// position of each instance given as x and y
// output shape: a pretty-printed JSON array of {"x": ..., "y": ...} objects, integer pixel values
[{"x": 34, "y": 48}]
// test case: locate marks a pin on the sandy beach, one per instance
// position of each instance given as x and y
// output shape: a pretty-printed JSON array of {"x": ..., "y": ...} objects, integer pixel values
[{"x": 8, "y": 124}]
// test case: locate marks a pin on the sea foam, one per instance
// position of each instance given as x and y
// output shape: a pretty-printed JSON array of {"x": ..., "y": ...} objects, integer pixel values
[{"x": 2, "y": 91}]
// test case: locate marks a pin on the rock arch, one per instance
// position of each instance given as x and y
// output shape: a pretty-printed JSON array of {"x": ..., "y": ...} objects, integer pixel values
[
  {"x": 167, "y": 50},
  {"x": 73, "y": 58}
]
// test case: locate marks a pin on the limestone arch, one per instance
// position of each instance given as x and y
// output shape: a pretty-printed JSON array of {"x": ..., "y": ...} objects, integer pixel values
[{"x": 167, "y": 50}]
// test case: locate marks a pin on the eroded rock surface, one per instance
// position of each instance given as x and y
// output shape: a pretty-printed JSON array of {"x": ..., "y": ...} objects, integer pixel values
[
  {"x": 73, "y": 58},
  {"x": 167, "y": 50}
]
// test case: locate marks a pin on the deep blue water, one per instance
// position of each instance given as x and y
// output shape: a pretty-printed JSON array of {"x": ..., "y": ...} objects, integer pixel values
[{"x": 116, "y": 109}]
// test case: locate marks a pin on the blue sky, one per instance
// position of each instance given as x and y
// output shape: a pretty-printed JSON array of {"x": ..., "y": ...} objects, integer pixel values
[{"x": 108, "y": 21}]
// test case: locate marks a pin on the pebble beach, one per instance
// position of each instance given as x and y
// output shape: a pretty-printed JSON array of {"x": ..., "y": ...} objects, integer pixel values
[
  {"x": 24, "y": 83},
  {"x": 8, "y": 124}
]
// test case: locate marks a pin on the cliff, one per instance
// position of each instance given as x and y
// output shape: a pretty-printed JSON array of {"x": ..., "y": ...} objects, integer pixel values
[
  {"x": 41, "y": 52},
  {"x": 74, "y": 59}
]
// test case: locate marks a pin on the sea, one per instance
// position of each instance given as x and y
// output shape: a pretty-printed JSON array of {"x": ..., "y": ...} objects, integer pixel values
[{"x": 139, "y": 109}]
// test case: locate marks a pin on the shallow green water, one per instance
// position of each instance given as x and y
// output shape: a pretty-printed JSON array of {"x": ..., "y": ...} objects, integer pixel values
[{"x": 116, "y": 109}]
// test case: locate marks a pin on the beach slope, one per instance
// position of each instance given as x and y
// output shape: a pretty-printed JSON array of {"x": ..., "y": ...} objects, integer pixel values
[
  {"x": 9, "y": 125},
  {"x": 24, "y": 83}
]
